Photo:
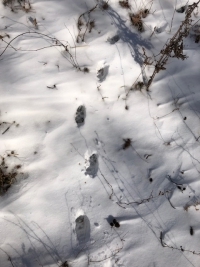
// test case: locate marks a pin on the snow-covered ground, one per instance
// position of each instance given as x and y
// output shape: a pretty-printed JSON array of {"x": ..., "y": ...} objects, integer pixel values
[{"x": 108, "y": 174}]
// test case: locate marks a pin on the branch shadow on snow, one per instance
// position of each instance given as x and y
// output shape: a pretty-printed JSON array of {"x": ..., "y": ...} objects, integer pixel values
[
  {"x": 37, "y": 249},
  {"x": 134, "y": 40}
]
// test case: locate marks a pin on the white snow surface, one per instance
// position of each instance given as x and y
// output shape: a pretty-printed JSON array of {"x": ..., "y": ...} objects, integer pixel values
[{"x": 59, "y": 209}]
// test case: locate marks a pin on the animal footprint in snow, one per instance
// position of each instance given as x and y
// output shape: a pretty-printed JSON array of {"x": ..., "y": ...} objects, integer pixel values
[
  {"x": 102, "y": 72},
  {"x": 113, "y": 39},
  {"x": 80, "y": 115},
  {"x": 82, "y": 229},
  {"x": 181, "y": 9},
  {"x": 34, "y": 22},
  {"x": 161, "y": 28},
  {"x": 92, "y": 169}
]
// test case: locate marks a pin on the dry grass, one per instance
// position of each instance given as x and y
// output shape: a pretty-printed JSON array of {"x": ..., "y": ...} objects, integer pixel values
[
  {"x": 125, "y": 4},
  {"x": 8, "y": 175},
  {"x": 15, "y": 5},
  {"x": 9, "y": 170},
  {"x": 105, "y": 5},
  {"x": 137, "y": 22},
  {"x": 138, "y": 86},
  {"x": 136, "y": 19}
]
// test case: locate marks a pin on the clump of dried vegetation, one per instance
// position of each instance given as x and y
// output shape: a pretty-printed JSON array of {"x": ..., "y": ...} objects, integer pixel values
[
  {"x": 15, "y": 5},
  {"x": 127, "y": 143},
  {"x": 136, "y": 19},
  {"x": 174, "y": 47},
  {"x": 8, "y": 174},
  {"x": 104, "y": 5},
  {"x": 137, "y": 86},
  {"x": 193, "y": 203},
  {"x": 125, "y": 4}
]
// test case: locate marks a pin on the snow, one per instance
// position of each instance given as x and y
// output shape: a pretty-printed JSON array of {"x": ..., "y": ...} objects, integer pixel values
[{"x": 76, "y": 178}]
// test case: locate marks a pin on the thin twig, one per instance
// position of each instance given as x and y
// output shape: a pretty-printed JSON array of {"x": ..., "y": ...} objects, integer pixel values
[
  {"x": 53, "y": 39},
  {"x": 180, "y": 249},
  {"x": 79, "y": 23},
  {"x": 112, "y": 191},
  {"x": 173, "y": 17},
  {"x": 142, "y": 201}
]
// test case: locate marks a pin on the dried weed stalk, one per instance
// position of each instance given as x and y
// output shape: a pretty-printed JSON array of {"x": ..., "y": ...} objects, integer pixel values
[
  {"x": 146, "y": 200},
  {"x": 138, "y": 86},
  {"x": 174, "y": 47},
  {"x": 54, "y": 42},
  {"x": 105, "y": 5},
  {"x": 84, "y": 24}
]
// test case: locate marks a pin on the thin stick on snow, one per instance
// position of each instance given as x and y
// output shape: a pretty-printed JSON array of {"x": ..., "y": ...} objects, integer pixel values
[{"x": 172, "y": 247}]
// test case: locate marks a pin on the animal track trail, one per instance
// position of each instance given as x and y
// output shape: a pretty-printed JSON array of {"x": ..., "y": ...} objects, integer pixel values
[{"x": 79, "y": 222}]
